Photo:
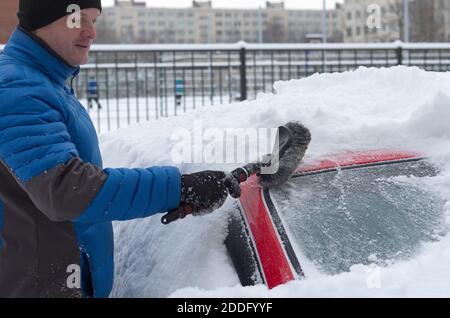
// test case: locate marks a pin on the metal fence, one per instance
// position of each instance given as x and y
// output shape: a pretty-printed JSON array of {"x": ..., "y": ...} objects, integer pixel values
[{"x": 142, "y": 82}]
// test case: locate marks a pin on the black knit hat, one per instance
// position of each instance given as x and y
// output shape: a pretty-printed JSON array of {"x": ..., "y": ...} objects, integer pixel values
[{"x": 34, "y": 14}]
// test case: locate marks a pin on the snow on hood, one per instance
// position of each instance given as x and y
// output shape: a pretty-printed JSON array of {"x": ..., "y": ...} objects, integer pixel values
[{"x": 399, "y": 107}]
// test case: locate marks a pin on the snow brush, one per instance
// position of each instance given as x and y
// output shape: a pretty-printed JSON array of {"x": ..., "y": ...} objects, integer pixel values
[{"x": 275, "y": 169}]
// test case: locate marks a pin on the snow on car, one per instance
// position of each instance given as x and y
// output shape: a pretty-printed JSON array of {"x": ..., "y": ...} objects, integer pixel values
[{"x": 358, "y": 111}]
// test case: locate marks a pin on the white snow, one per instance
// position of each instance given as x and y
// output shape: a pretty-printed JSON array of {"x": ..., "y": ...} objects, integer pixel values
[{"x": 395, "y": 108}]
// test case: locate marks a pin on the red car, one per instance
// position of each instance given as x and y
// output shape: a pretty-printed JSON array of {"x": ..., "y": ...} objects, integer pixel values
[{"x": 347, "y": 209}]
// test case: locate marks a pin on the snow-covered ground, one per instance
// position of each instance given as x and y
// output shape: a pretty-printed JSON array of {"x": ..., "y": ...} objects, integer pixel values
[
  {"x": 120, "y": 113},
  {"x": 401, "y": 108}
]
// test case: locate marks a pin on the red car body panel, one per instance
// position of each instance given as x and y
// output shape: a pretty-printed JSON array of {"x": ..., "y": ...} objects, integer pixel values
[{"x": 273, "y": 260}]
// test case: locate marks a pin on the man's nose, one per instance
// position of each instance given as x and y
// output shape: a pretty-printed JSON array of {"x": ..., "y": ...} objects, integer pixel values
[{"x": 90, "y": 31}]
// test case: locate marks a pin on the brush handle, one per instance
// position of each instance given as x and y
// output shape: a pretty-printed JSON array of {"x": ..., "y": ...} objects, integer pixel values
[{"x": 243, "y": 173}]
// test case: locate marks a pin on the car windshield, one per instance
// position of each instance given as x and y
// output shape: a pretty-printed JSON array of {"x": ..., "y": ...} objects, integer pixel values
[{"x": 362, "y": 215}]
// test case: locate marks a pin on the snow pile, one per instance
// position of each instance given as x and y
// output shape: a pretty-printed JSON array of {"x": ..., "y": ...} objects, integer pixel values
[{"x": 401, "y": 108}]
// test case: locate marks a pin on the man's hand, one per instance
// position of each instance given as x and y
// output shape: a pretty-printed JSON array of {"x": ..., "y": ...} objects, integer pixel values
[{"x": 206, "y": 191}]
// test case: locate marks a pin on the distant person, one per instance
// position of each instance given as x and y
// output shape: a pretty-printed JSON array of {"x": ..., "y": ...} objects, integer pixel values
[
  {"x": 56, "y": 200},
  {"x": 93, "y": 93}
]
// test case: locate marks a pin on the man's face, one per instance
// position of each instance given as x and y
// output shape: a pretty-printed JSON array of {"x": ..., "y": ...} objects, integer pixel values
[{"x": 70, "y": 40}]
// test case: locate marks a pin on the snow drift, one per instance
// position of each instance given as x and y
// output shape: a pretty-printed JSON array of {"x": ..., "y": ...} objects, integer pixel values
[{"x": 400, "y": 108}]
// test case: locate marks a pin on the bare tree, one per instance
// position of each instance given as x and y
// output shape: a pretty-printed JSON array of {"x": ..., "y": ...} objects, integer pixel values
[
  {"x": 274, "y": 33},
  {"x": 424, "y": 16},
  {"x": 397, "y": 16},
  {"x": 106, "y": 34},
  {"x": 427, "y": 25}
]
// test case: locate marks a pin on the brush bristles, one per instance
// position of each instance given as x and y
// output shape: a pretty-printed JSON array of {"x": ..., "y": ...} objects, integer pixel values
[{"x": 301, "y": 137}]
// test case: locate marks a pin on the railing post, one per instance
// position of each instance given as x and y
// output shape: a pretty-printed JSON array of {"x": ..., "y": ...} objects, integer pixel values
[
  {"x": 243, "y": 72},
  {"x": 400, "y": 54}
]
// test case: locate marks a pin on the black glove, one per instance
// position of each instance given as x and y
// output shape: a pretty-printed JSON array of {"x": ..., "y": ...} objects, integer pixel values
[{"x": 206, "y": 191}]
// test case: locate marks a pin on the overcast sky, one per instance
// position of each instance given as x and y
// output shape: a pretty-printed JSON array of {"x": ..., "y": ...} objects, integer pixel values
[{"x": 290, "y": 4}]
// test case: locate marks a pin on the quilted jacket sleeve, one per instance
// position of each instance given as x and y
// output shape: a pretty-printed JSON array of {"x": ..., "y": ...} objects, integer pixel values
[{"x": 36, "y": 148}]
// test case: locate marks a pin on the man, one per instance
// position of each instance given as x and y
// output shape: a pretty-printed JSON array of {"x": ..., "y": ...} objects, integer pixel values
[
  {"x": 92, "y": 93},
  {"x": 56, "y": 200}
]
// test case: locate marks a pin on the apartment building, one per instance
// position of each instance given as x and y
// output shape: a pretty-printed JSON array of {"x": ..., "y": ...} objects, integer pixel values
[
  {"x": 429, "y": 20},
  {"x": 132, "y": 21},
  {"x": 8, "y": 18},
  {"x": 356, "y": 28}
]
